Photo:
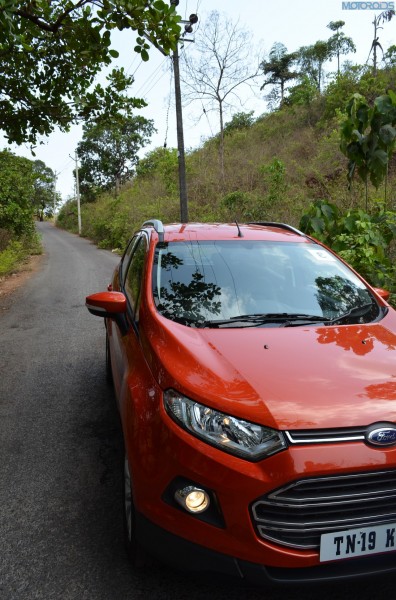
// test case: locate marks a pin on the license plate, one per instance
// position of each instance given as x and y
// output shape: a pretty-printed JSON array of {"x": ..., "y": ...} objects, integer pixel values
[{"x": 357, "y": 542}]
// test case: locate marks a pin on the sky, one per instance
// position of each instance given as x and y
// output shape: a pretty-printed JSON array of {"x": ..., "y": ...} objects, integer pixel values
[{"x": 294, "y": 23}]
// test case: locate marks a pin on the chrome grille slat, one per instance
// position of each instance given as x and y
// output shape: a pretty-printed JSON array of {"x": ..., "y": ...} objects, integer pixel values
[
  {"x": 334, "y": 500},
  {"x": 320, "y": 436},
  {"x": 327, "y": 525},
  {"x": 297, "y": 514}
]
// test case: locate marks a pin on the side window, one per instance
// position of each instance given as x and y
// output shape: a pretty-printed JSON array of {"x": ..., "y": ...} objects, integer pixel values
[
  {"x": 134, "y": 275},
  {"x": 127, "y": 256}
]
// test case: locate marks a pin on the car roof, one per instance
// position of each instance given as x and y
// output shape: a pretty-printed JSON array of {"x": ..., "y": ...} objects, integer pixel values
[{"x": 269, "y": 231}]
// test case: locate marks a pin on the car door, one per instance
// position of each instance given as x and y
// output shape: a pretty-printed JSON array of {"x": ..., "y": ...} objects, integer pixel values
[{"x": 130, "y": 280}]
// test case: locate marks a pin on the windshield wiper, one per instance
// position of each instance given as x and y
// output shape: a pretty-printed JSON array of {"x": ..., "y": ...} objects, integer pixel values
[
  {"x": 356, "y": 311},
  {"x": 252, "y": 320},
  {"x": 285, "y": 319}
]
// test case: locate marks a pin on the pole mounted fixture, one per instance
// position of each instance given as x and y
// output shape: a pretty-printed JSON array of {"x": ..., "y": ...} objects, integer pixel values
[{"x": 188, "y": 28}]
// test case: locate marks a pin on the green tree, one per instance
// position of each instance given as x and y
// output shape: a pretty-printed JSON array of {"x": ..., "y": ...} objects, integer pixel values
[
  {"x": 51, "y": 53},
  {"x": 161, "y": 163},
  {"x": 303, "y": 93},
  {"x": 239, "y": 121},
  {"x": 16, "y": 184},
  {"x": 339, "y": 43},
  {"x": 311, "y": 60},
  {"x": 278, "y": 68},
  {"x": 109, "y": 151},
  {"x": 390, "y": 57},
  {"x": 43, "y": 190}
]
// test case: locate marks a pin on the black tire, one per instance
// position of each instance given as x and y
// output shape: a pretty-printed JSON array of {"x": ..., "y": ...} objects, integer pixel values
[{"x": 137, "y": 555}]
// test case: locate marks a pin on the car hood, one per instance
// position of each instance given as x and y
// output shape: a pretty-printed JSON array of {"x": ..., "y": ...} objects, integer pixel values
[{"x": 288, "y": 378}]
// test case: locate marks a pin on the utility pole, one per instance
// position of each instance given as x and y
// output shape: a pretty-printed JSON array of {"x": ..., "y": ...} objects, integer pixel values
[
  {"x": 180, "y": 140},
  {"x": 193, "y": 19},
  {"x": 55, "y": 178},
  {"x": 77, "y": 193}
]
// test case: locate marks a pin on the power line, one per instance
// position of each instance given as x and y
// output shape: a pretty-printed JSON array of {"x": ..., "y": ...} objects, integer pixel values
[
  {"x": 167, "y": 112},
  {"x": 150, "y": 78},
  {"x": 156, "y": 82}
]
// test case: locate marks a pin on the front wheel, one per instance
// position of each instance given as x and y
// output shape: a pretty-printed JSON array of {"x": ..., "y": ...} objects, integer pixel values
[{"x": 137, "y": 555}]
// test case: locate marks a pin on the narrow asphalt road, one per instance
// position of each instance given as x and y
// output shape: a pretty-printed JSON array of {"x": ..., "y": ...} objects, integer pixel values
[{"x": 60, "y": 452}]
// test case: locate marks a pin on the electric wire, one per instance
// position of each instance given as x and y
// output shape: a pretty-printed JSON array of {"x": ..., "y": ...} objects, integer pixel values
[{"x": 168, "y": 109}]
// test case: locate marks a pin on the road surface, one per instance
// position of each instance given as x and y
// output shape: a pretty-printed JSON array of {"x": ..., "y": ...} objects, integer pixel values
[{"x": 61, "y": 532}]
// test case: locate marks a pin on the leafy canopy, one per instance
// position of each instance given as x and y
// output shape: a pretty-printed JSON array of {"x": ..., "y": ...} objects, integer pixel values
[
  {"x": 109, "y": 152},
  {"x": 51, "y": 53}
]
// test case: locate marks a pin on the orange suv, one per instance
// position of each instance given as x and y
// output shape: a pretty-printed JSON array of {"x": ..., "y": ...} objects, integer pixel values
[{"x": 255, "y": 375}]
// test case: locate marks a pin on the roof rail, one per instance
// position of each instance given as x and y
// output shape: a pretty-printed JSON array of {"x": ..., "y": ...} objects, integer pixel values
[
  {"x": 280, "y": 225},
  {"x": 158, "y": 226}
]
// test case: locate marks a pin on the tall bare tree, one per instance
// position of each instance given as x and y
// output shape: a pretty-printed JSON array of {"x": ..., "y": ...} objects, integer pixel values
[{"x": 221, "y": 64}]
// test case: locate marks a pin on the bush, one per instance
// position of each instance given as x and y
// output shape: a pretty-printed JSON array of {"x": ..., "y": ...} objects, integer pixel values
[
  {"x": 363, "y": 240},
  {"x": 11, "y": 257}
]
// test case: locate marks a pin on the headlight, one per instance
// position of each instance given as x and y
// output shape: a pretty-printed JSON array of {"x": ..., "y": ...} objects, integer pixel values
[{"x": 236, "y": 436}]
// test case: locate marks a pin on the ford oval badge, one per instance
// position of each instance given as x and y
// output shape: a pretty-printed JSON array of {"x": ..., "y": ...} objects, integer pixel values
[{"x": 382, "y": 435}]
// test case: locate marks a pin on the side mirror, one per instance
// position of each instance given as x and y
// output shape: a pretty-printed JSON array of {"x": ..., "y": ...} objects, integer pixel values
[
  {"x": 384, "y": 294},
  {"x": 109, "y": 305}
]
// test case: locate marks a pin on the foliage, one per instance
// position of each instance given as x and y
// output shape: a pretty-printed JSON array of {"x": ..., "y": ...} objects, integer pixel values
[
  {"x": 383, "y": 17},
  {"x": 368, "y": 137},
  {"x": 16, "y": 253},
  {"x": 274, "y": 177},
  {"x": 390, "y": 56},
  {"x": 51, "y": 53},
  {"x": 162, "y": 162},
  {"x": 311, "y": 60},
  {"x": 109, "y": 152},
  {"x": 240, "y": 120},
  {"x": 16, "y": 185},
  {"x": 237, "y": 204},
  {"x": 43, "y": 198},
  {"x": 18, "y": 180},
  {"x": 363, "y": 240},
  {"x": 303, "y": 93},
  {"x": 278, "y": 68},
  {"x": 11, "y": 257},
  {"x": 339, "y": 44}
]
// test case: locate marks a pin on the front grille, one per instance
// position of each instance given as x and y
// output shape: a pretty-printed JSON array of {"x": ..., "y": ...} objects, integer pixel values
[
  {"x": 298, "y": 514},
  {"x": 321, "y": 436}
]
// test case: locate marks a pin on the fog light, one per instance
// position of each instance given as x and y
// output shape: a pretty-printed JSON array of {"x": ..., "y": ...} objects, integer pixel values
[{"x": 193, "y": 499}]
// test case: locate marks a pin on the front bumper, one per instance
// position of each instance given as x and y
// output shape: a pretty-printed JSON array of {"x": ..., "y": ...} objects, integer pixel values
[{"x": 187, "y": 556}]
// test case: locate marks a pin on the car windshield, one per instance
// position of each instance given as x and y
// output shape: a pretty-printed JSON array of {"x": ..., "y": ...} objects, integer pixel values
[{"x": 257, "y": 283}]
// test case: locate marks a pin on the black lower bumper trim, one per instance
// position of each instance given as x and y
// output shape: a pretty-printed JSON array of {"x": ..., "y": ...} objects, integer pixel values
[{"x": 187, "y": 556}]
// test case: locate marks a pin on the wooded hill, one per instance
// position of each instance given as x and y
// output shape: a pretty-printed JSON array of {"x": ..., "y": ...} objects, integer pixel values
[{"x": 275, "y": 168}]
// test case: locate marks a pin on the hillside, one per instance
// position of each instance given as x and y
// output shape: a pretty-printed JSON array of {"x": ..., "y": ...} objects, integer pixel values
[{"x": 274, "y": 169}]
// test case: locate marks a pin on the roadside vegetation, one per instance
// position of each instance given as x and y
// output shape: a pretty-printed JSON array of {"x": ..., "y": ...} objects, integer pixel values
[{"x": 26, "y": 194}]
